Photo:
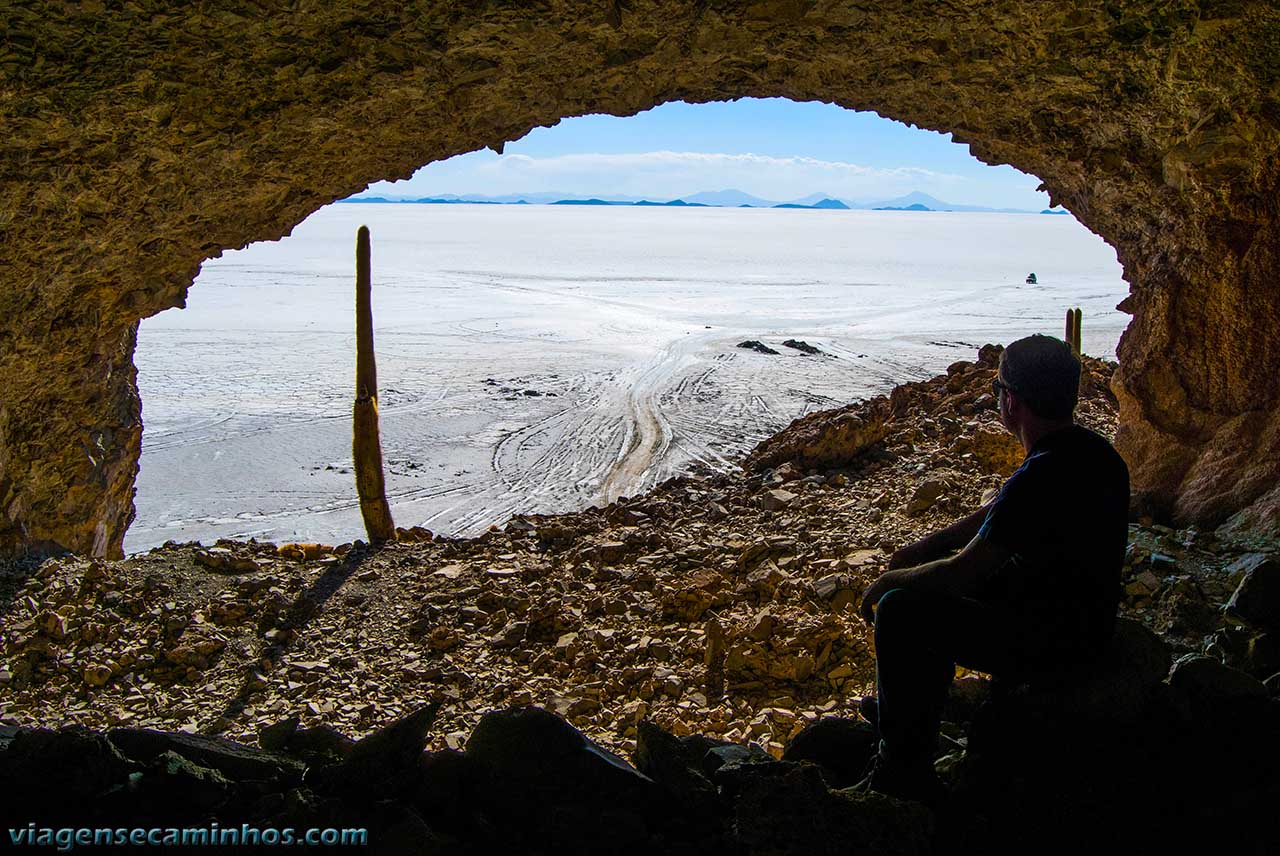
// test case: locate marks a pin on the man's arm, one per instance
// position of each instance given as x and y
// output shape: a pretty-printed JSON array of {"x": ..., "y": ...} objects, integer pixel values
[
  {"x": 959, "y": 575},
  {"x": 941, "y": 543}
]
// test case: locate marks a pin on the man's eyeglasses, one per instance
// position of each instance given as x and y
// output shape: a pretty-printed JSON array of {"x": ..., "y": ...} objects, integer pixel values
[{"x": 997, "y": 385}]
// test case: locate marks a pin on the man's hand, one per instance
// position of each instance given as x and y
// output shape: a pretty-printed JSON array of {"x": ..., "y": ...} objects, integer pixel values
[
  {"x": 955, "y": 576},
  {"x": 916, "y": 553},
  {"x": 933, "y": 547},
  {"x": 875, "y": 591}
]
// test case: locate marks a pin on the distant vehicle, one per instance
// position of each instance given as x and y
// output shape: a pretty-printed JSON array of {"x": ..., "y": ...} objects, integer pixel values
[{"x": 1031, "y": 279}]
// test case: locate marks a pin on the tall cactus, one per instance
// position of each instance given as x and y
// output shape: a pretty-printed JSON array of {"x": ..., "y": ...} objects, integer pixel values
[{"x": 366, "y": 443}]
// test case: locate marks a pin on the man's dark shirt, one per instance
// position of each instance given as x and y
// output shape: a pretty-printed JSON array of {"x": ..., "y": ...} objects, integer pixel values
[{"x": 1063, "y": 515}]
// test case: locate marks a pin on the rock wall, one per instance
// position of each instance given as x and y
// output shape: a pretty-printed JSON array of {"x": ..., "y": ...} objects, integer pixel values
[{"x": 141, "y": 139}]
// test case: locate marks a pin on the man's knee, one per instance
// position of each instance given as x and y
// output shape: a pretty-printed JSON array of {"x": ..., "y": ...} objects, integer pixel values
[
  {"x": 905, "y": 614},
  {"x": 896, "y": 608},
  {"x": 896, "y": 603}
]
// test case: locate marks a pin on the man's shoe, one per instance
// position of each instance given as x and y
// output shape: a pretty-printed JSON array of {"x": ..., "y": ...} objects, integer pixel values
[
  {"x": 916, "y": 781},
  {"x": 869, "y": 709}
]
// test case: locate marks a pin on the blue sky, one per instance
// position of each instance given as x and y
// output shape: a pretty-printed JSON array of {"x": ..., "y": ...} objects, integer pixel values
[{"x": 772, "y": 148}]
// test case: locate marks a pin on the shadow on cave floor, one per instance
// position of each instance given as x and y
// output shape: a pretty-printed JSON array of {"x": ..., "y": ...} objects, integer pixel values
[
  {"x": 308, "y": 604},
  {"x": 14, "y": 574}
]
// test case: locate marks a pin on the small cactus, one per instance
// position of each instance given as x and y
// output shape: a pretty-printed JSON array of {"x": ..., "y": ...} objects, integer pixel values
[{"x": 1072, "y": 336}]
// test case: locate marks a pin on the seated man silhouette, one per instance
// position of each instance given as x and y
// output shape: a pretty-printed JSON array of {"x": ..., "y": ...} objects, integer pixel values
[{"x": 1035, "y": 584}]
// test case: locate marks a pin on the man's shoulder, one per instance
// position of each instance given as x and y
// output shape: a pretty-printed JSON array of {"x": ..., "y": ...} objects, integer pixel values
[
  {"x": 1079, "y": 444},
  {"x": 1078, "y": 457},
  {"x": 1097, "y": 447}
]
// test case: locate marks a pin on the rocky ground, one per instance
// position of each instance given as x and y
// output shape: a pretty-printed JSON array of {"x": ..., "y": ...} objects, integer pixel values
[
  {"x": 724, "y": 605},
  {"x": 719, "y": 608}
]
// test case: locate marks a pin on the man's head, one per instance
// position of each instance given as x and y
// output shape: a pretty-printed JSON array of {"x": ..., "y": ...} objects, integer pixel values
[{"x": 1038, "y": 381}]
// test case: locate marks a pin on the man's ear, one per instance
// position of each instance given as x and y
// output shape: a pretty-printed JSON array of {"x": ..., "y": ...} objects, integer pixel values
[{"x": 1013, "y": 403}]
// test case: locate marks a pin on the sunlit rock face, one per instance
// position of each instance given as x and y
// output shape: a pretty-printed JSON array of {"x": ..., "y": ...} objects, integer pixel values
[{"x": 139, "y": 141}]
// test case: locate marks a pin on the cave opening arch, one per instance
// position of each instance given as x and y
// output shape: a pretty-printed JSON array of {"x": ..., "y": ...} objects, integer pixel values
[
  {"x": 571, "y": 303},
  {"x": 162, "y": 142}
]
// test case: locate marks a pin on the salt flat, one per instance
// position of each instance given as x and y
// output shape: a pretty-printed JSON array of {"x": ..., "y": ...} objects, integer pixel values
[{"x": 542, "y": 358}]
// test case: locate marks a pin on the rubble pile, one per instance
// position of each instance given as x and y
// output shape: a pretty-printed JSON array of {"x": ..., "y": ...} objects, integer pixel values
[
  {"x": 725, "y": 605},
  {"x": 707, "y": 630}
]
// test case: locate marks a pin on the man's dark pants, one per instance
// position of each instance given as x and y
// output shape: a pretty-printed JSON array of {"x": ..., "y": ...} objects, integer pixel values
[{"x": 920, "y": 639}]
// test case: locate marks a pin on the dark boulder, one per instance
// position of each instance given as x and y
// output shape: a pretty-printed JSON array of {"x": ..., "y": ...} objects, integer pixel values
[
  {"x": 732, "y": 755},
  {"x": 54, "y": 776},
  {"x": 1257, "y": 597},
  {"x": 175, "y": 790},
  {"x": 548, "y": 785},
  {"x": 234, "y": 761},
  {"x": 802, "y": 346},
  {"x": 274, "y": 737},
  {"x": 1116, "y": 687},
  {"x": 840, "y": 747},
  {"x": 785, "y": 808},
  {"x": 965, "y": 697},
  {"x": 402, "y": 830},
  {"x": 1183, "y": 609},
  {"x": 1205, "y": 689},
  {"x": 387, "y": 762},
  {"x": 320, "y": 743},
  {"x": 1134, "y": 760},
  {"x": 1042, "y": 753},
  {"x": 683, "y": 767},
  {"x": 676, "y": 764},
  {"x": 1262, "y": 654},
  {"x": 451, "y": 797}
]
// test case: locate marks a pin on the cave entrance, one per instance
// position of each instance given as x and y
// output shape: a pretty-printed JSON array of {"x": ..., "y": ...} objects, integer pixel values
[
  {"x": 540, "y": 356},
  {"x": 1156, "y": 125}
]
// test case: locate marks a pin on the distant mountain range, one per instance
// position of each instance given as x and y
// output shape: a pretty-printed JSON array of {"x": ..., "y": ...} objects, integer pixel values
[{"x": 914, "y": 201}]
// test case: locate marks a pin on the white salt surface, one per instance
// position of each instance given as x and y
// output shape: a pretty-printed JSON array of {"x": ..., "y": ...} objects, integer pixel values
[{"x": 543, "y": 358}]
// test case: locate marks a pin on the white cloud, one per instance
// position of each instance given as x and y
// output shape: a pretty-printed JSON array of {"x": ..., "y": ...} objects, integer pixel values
[
  {"x": 664, "y": 175},
  {"x": 700, "y": 160},
  {"x": 668, "y": 173}
]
